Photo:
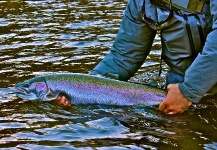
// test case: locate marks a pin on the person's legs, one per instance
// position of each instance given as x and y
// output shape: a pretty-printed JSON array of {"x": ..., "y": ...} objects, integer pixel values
[
  {"x": 173, "y": 77},
  {"x": 131, "y": 46},
  {"x": 182, "y": 40}
]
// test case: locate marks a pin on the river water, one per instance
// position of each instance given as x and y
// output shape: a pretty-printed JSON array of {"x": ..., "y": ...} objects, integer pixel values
[{"x": 42, "y": 37}]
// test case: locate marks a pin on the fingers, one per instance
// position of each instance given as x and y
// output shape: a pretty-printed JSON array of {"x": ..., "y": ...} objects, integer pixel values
[
  {"x": 62, "y": 100},
  {"x": 170, "y": 109},
  {"x": 168, "y": 87},
  {"x": 175, "y": 102},
  {"x": 162, "y": 106}
]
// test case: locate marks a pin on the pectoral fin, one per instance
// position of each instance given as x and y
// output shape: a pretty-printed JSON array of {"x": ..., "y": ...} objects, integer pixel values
[{"x": 50, "y": 95}]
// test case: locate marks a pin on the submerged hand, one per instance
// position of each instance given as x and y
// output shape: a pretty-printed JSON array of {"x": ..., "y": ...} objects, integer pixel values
[
  {"x": 175, "y": 102},
  {"x": 62, "y": 100}
]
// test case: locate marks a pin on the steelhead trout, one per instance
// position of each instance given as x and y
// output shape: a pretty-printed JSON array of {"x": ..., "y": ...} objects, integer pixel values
[{"x": 89, "y": 89}]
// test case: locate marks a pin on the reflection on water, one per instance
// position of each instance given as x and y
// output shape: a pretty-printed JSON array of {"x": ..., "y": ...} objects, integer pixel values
[
  {"x": 55, "y": 36},
  {"x": 41, "y": 37}
]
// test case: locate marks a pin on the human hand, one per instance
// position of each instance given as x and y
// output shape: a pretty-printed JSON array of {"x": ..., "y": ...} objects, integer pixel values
[
  {"x": 63, "y": 101},
  {"x": 175, "y": 102}
]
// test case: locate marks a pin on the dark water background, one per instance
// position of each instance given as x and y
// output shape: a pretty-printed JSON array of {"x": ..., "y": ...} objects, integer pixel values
[{"x": 41, "y": 37}]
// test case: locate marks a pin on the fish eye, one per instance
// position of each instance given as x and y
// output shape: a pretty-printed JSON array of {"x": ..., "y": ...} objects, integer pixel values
[{"x": 26, "y": 85}]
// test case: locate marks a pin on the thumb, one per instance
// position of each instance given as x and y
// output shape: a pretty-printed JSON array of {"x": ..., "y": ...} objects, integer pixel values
[
  {"x": 168, "y": 87},
  {"x": 162, "y": 106}
]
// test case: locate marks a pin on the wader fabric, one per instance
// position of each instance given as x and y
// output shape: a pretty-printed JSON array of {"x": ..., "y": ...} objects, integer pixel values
[
  {"x": 193, "y": 6},
  {"x": 179, "y": 47}
]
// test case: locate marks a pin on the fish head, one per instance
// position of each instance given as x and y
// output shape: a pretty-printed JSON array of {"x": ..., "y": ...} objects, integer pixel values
[{"x": 33, "y": 89}]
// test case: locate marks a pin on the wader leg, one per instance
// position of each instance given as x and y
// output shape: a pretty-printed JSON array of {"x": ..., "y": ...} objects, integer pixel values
[
  {"x": 131, "y": 46},
  {"x": 173, "y": 77},
  {"x": 181, "y": 42}
]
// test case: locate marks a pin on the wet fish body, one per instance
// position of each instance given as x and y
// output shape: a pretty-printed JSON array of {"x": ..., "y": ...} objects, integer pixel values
[{"x": 89, "y": 89}]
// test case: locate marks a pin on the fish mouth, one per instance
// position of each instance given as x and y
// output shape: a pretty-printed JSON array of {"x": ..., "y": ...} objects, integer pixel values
[
  {"x": 25, "y": 94},
  {"x": 21, "y": 90}
]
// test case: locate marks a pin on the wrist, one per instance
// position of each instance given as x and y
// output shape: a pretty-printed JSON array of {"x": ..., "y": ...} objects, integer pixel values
[{"x": 187, "y": 93}]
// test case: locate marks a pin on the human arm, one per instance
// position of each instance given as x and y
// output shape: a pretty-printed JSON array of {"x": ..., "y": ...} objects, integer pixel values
[
  {"x": 131, "y": 46},
  {"x": 201, "y": 76}
]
